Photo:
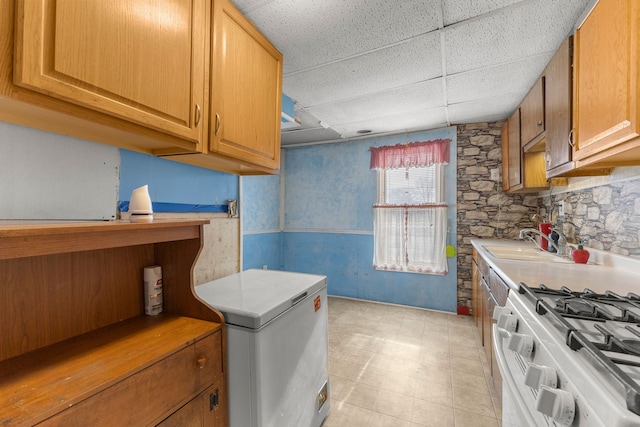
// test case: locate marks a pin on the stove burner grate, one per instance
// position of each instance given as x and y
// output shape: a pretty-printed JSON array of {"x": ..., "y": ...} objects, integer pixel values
[{"x": 596, "y": 310}]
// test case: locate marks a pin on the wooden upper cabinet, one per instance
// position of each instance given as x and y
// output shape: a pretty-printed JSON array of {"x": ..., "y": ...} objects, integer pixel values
[
  {"x": 532, "y": 113},
  {"x": 139, "y": 60},
  {"x": 504, "y": 136},
  {"x": 514, "y": 170},
  {"x": 558, "y": 108},
  {"x": 607, "y": 86},
  {"x": 246, "y": 90}
]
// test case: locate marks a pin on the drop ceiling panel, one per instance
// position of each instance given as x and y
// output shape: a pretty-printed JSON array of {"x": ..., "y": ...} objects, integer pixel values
[
  {"x": 512, "y": 34},
  {"x": 409, "y": 121},
  {"x": 313, "y": 32},
  {"x": 488, "y": 109},
  {"x": 413, "y": 61},
  {"x": 397, "y": 66},
  {"x": 423, "y": 95},
  {"x": 460, "y": 10},
  {"x": 304, "y": 136},
  {"x": 502, "y": 79}
]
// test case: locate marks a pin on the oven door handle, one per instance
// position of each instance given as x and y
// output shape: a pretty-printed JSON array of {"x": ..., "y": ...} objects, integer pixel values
[{"x": 500, "y": 337}]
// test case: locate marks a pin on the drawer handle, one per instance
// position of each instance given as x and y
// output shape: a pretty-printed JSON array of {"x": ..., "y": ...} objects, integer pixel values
[{"x": 201, "y": 362}]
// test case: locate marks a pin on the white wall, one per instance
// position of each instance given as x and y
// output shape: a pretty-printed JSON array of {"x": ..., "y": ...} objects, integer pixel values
[{"x": 49, "y": 176}]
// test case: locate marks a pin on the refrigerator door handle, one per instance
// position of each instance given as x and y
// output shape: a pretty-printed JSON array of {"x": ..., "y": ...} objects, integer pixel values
[{"x": 299, "y": 298}]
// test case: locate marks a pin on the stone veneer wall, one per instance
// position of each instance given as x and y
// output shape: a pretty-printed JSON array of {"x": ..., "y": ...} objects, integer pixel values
[
  {"x": 484, "y": 210},
  {"x": 606, "y": 217}
]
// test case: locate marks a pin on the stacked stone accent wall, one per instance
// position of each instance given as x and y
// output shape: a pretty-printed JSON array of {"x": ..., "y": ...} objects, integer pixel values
[
  {"x": 606, "y": 217},
  {"x": 484, "y": 210}
]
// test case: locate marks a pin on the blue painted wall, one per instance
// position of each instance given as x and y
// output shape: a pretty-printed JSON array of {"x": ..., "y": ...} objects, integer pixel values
[
  {"x": 261, "y": 229},
  {"x": 173, "y": 182},
  {"x": 327, "y": 220},
  {"x": 328, "y": 223}
]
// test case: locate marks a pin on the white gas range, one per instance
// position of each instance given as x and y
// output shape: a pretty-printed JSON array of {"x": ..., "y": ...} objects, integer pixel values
[
  {"x": 567, "y": 347},
  {"x": 569, "y": 358}
]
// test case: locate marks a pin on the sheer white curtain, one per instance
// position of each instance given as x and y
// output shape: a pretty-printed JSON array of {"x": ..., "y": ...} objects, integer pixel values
[
  {"x": 390, "y": 252},
  {"x": 426, "y": 239},
  {"x": 411, "y": 237}
]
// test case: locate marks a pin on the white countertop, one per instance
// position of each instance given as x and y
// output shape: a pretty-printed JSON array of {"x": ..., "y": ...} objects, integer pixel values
[{"x": 604, "y": 271}]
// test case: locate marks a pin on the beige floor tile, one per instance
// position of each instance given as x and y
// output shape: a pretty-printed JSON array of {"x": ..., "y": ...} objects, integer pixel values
[
  {"x": 465, "y": 381},
  {"x": 345, "y": 369},
  {"x": 394, "y": 366},
  {"x": 344, "y": 414},
  {"x": 471, "y": 401},
  {"x": 338, "y": 386},
  {"x": 432, "y": 414},
  {"x": 362, "y": 395},
  {"x": 394, "y": 405},
  {"x": 471, "y": 419},
  {"x": 435, "y": 392},
  {"x": 468, "y": 365},
  {"x": 382, "y": 420}
]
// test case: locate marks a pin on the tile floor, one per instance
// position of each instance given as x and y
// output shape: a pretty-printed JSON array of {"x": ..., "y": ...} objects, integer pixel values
[{"x": 397, "y": 366}]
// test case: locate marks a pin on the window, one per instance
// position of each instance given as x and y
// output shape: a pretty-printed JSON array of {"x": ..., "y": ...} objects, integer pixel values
[{"x": 410, "y": 214}]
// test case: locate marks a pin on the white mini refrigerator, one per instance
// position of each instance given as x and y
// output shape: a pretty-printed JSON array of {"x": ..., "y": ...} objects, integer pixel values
[{"x": 277, "y": 346}]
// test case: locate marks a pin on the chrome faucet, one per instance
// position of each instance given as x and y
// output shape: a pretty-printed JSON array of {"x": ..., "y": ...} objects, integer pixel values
[{"x": 526, "y": 231}]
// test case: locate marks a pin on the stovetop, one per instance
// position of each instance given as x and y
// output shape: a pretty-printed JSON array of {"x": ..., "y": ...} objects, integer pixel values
[{"x": 605, "y": 326}]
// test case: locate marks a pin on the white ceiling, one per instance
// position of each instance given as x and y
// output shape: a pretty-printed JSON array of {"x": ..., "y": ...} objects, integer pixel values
[{"x": 406, "y": 65}]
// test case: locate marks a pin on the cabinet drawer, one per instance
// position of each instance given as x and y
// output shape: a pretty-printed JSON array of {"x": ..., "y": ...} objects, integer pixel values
[{"x": 151, "y": 394}]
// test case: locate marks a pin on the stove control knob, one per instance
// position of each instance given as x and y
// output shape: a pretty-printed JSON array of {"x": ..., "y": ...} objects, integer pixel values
[
  {"x": 508, "y": 322},
  {"x": 557, "y": 404},
  {"x": 521, "y": 343},
  {"x": 498, "y": 311},
  {"x": 538, "y": 375}
]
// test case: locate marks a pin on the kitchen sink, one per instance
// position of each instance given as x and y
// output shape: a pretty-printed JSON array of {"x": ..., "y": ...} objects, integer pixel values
[{"x": 524, "y": 254}]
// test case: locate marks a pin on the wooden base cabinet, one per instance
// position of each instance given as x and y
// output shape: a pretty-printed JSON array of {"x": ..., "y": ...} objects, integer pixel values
[
  {"x": 201, "y": 411},
  {"x": 77, "y": 348},
  {"x": 488, "y": 291}
]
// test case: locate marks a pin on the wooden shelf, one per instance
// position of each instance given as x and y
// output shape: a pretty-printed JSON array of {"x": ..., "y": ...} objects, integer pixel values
[
  {"x": 47, "y": 381},
  {"x": 75, "y": 345},
  {"x": 35, "y": 238}
]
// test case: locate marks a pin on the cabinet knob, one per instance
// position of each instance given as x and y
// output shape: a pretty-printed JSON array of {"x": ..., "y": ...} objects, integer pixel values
[
  {"x": 201, "y": 362},
  {"x": 539, "y": 123}
]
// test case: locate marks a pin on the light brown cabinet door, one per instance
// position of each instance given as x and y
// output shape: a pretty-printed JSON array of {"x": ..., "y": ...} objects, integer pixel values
[
  {"x": 558, "y": 107},
  {"x": 504, "y": 135},
  {"x": 532, "y": 113},
  {"x": 476, "y": 302},
  {"x": 606, "y": 78},
  {"x": 246, "y": 90},
  {"x": 488, "y": 304},
  {"x": 515, "y": 151},
  {"x": 139, "y": 60}
]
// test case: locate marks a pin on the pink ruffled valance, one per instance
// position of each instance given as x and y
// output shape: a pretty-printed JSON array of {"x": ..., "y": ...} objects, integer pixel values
[{"x": 414, "y": 154}]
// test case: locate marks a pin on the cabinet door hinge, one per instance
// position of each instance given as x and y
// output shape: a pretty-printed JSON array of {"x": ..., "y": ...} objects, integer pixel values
[{"x": 214, "y": 400}]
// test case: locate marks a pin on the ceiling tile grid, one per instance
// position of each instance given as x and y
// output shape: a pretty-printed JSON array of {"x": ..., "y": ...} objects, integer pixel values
[
  {"x": 392, "y": 67},
  {"x": 413, "y": 61},
  {"x": 313, "y": 32},
  {"x": 406, "y": 99}
]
